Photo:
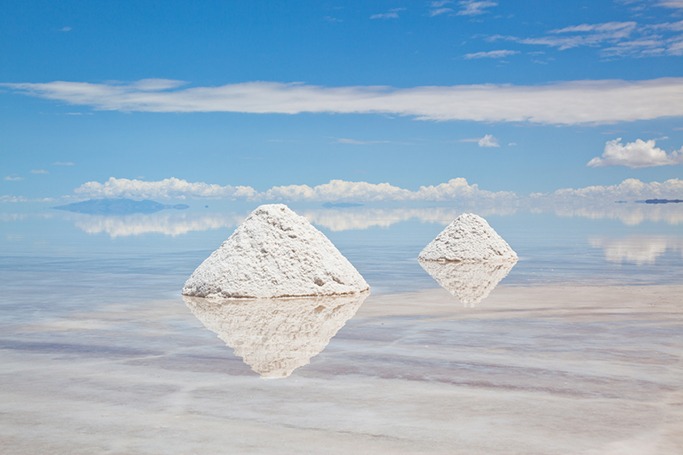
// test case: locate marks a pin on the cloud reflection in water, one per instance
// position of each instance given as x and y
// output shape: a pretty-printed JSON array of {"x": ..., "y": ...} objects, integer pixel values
[
  {"x": 360, "y": 218},
  {"x": 639, "y": 250}
]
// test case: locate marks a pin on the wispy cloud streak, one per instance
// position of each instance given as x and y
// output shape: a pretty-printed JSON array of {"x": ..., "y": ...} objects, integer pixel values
[{"x": 562, "y": 103}]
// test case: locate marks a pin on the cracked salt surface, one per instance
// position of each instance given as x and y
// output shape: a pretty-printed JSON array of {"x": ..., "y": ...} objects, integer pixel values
[{"x": 275, "y": 253}]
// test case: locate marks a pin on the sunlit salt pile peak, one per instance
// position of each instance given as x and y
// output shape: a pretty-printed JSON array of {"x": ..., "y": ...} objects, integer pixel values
[
  {"x": 468, "y": 238},
  {"x": 275, "y": 253}
]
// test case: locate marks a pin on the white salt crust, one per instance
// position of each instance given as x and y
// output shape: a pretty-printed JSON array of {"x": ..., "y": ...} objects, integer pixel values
[
  {"x": 275, "y": 253},
  {"x": 276, "y": 336},
  {"x": 468, "y": 238}
]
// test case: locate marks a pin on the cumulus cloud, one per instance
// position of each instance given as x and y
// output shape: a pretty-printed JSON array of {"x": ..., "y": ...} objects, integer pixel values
[
  {"x": 627, "y": 190},
  {"x": 13, "y": 178},
  {"x": 488, "y": 141},
  {"x": 501, "y": 53},
  {"x": 335, "y": 190},
  {"x": 564, "y": 103},
  {"x": 636, "y": 155},
  {"x": 39, "y": 171},
  {"x": 171, "y": 188}
]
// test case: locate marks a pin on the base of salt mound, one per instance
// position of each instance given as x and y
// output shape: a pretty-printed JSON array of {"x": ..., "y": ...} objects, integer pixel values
[
  {"x": 468, "y": 238},
  {"x": 275, "y": 253}
]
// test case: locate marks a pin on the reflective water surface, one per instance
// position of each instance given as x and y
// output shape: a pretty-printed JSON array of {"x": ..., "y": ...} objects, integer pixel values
[{"x": 577, "y": 349}]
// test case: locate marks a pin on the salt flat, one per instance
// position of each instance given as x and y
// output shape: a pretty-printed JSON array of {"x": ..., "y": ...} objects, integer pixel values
[{"x": 546, "y": 369}]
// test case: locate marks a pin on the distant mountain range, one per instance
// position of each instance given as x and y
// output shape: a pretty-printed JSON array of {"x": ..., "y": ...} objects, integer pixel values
[{"x": 118, "y": 207}]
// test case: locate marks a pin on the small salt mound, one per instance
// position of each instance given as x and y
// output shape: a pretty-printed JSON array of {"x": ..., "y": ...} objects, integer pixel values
[
  {"x": 275, "y": 253},
  {"x": 468, "y": 238}
]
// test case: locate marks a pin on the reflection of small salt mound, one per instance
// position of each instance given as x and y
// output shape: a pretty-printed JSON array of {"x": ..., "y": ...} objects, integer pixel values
[
  {"x": 470, "y": 282},
  {"x": 468, "y": 238},
  {"x": 275, "y": 253},
  {"x": 276, "y": 336}
]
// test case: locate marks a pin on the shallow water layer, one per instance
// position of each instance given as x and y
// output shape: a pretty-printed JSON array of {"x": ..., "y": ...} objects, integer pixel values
[
  {"x": 576, "y": 349},
  {"x": 548, "y": 370}
]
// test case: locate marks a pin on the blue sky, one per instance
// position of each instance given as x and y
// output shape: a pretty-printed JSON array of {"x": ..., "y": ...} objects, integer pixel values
[{"x": 275, "y": 100}]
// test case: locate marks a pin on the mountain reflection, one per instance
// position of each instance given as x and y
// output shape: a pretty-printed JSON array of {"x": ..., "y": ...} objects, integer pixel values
[
  {"x": 469, "y": 282},
  {"x": 276, "y": 336}
]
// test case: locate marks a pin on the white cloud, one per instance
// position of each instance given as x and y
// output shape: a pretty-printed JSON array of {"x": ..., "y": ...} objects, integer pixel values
[
  {"x": 564, "y": 103},
  {"x": 171, "y": 188},
  {"x": 437, "y": 8},
  {"x": 613, "y": 39},
  {"x": 488, "y": 141},
  {"x": 628, "y": 190},
  {"x": 501, "y": 53},
  {"x": 335, "y": 190},
  {"x": 578, "y": 35},
  {"x": 460, "y": 189},
  {"x": 65, "y": 29},
  {"x": 39, "y": 171},
  {"x": 474, "y": 8},
  {"x": 13, "y": 178},
  {"x": 671, "y": 3},
  {"x": 636, "y": 155},
  {"x": 64, "y": 163},
  {"x": 391, "y": 14}
]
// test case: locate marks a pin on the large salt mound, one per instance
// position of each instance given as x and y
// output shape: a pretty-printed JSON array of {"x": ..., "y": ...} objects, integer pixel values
[
  {"x": 468, "y": 238},
  {"x": 275, "y": 253}
]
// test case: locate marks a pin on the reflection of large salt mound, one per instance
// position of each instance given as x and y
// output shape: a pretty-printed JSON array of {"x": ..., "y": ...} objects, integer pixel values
[
  {"x": 470, "y": 282},
  {"x": 276, "y": 336},
  {"x": 468, "y": 238},
  {"x": 275, "y": 253}
]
